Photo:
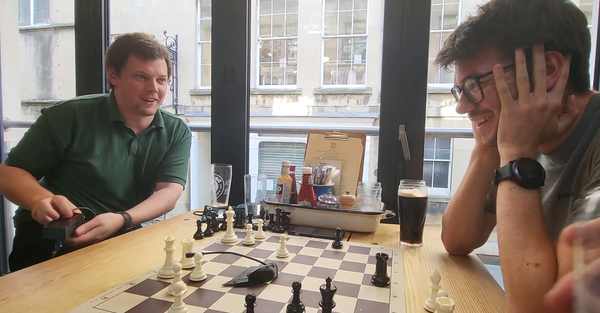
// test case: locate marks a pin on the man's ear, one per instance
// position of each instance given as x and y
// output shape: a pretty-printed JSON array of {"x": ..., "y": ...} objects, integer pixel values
[
  {"x": 113, "y": 76},
  {"x": 554, "y": 65}
]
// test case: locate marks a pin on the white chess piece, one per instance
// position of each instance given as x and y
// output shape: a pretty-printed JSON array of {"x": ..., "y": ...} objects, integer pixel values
[
  {"x": 176, "y": 279},
  {"x": 444, "y": 305},
  {"x": 198, "y": 273},
  {"x": 166, "y": 271},
  {"x": 249, "y": 240},
  {"x": 434, "y": 284},
  {"x": 260, "y": 234},
  {"x": 187, "y": 245},
  {"x": 178, "y": 305},
  {"x": 282, "y": 252},
  {"x": 230, "y": 236}
]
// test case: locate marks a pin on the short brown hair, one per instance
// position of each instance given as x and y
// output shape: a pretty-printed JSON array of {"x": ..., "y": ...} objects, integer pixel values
[
  {"x": 506, "y": 25},
  {"x": 141, "y": 45}
]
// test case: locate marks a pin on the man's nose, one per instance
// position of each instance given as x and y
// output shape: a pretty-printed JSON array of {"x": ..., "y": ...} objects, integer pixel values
[{"x": 464, "y": 105}]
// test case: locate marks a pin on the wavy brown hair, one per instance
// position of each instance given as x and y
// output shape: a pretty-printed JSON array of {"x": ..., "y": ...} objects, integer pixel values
[{"x": 506, "y": 25}]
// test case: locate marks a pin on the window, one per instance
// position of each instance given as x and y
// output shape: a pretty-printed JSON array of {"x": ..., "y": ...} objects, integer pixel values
[
  {"x": 436, "y": 165},
  {"x": 587, "y": 6},
  {"x": 270, "y": 155},
  {"x": 34, "y": 12},
  {"x": 444, "y": 19},
  {"x": 277, "y": 42},
  {"x": 204, "y": 39},
  {"x": 344, "y": 42}
]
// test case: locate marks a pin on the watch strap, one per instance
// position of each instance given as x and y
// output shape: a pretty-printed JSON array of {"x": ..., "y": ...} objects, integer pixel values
[
  {"x": 503, "y": 173},
  {"x": 128, "y": 221}
]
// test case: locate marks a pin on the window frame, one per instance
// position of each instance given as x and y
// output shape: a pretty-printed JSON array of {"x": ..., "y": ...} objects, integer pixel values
[
  {"x": 199, "y": 43},
  {"x": 31, "y": 13},
  {"x": 437, "y": 191},
  {"x": 438, "y": 84},
  {"x": 285, "y": 38},
  {"x": 324, "y": 37}
]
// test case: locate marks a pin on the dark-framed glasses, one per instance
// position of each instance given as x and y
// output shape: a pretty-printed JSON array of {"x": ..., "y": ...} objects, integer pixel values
[{"x": 471, "y": 87}]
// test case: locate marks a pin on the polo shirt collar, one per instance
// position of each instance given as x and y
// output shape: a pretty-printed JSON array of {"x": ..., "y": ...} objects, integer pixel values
[{"x": 115, "y": 115}]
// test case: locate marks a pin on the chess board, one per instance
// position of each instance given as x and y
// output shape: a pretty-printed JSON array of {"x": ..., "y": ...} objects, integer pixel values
[{"x": 310, "y": 261}]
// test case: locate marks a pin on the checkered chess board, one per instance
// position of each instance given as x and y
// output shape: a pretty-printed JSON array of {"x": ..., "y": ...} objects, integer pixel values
[{"x": 310, "y": 261}]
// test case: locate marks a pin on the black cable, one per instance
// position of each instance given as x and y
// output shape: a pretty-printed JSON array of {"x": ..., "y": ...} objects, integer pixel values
[{"x": 191, "y": 254}]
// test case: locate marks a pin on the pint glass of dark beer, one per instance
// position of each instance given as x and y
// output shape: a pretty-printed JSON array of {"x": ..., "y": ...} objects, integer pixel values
[{"x": 412, "y": 207}]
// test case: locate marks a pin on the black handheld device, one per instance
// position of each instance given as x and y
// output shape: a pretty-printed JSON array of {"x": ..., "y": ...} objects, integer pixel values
[
  {"x": 314, "y": 232},
  {"x": 62, "y": 228}
]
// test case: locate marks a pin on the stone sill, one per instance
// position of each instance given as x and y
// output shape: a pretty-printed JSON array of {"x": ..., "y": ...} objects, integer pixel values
[
  {"x": 281, "y": 91},
  {"x": 31, "y": 28},
  {"x": 200, "y": 92},
  {"x": 34, "y": 102},
  {"x": 343, "y": 91}
]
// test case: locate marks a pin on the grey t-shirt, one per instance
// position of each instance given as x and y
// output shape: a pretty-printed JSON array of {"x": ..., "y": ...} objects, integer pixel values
[{"x": 572, "y": 172}]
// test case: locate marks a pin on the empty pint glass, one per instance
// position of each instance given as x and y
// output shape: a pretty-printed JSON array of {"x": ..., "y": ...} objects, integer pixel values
[
  {"x": 221, "y": 174},
  {"x": 412, "y": 208}
]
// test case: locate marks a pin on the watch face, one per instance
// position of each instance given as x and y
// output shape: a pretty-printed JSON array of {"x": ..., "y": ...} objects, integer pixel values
[{"x": 530, "y": 172}]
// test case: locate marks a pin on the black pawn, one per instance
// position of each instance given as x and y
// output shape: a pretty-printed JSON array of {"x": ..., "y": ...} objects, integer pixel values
[
  {"x": 208, "y": 232},
  {"x": 296, "y": 305},
  {"x": 199, "y": 234},
  {"x": 250, "y": 302},
  {"x": 327, "y": 290},
  {"x": 224, "y": 223},
  {"x": 337, "y": 243},
  {"x": 380, "y": 279}
]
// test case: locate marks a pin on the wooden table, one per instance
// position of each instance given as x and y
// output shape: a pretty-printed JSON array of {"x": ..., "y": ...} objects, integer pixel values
[{"x": 63, "y": 283}]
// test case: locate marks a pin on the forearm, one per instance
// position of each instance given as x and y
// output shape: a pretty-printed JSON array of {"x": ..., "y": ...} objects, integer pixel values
[
  {"x": 467, "y": 207},
  {"x": 20, "y": 187},
  {"x": 159, "y": 203},
  {"x": 527, "y": 254}
]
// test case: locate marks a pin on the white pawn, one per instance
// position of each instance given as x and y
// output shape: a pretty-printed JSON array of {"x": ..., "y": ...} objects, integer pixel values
[
  {"x": 166, "y": 271},
  {"x": 249, "y": 240},
  {"x": 178, "y": 305},
  {"x": 434, "y": 284},
  {"x": 198, "y": 273},
  {"x": 282, "y": 252},
  {"x": 260, "y": 234},
  {"x": 176, "y": 279},
  {"x": 444, "y": 305}
]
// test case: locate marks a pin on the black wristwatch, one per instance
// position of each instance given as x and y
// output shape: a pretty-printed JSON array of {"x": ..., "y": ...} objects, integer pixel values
[
  {"x": 128, "y": 221},
  {"x": 527, "y": 173}
]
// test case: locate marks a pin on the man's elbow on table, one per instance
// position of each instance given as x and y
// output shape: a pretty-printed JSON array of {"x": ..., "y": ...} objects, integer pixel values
[{"x": 455, "y": 246}]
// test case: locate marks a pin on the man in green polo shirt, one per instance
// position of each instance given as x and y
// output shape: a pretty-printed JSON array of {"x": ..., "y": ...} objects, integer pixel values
[{"x": 116, "y": 154}]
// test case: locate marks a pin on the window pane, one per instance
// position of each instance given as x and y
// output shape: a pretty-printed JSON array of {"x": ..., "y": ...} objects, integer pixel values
[
  {"x": 291, "y": 6},
  {"x": 360, "y": 4},
  {"x": 278, "y": 6},
  {"x": 356, "y": 75},
  {"x": 265, "y": 26},
  {"x": 359, "y": 54},
  {"x": 346, "y": 4},
  {"x": 345, "y": 45},
  {"x": 345, "y": 25},
  {"x": 329, "y": 73},
  {"x": 331, "y": 5},
  {"x": 206, "y": 75},
  {"x": 331, "y": 49},
  {"x": 450, "y": 16},
  {"x": 205, "y": 10},
  {"x": 433, "y": 74},
  {"x": 266, "y": 51},
  {"x": 278, "y": 25},
  {"x": 205, "y": 53},
  {"x": 265, "y": 74},
  {"x": 360, "y": 22},
  {"x": 331, "y": 23},
  {"x": 442, "y": 143},
  {"x": 436, "y": 17},
  {"x": 291, "y": 71},
  {"x": 24, "y": 13},
  {"x": 279, "y": 51},
  {"x": 428, "y": 173},
  {"x": 434, "y": 44},
  {"x": 440, "y": 178},
  {"x": 292, "y": 50},
  {"x": 41, "y": 14},
  {"x": 205, "y": 31},
  {"x": 265, "y": 6},
  {"x": 291, "y": 25}
]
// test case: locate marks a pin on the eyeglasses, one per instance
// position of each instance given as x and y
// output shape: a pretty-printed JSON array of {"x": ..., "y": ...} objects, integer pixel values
[{"x": 471, "y": 86}]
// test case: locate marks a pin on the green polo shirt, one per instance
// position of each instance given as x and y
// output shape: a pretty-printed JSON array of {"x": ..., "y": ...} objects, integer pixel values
[{"x": 82, "y": 149}]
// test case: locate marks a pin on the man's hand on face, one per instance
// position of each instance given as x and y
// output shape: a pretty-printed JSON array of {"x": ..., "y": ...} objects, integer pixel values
[
  {"x": 99, "y": 228},
  {"x": 535, "y": 116},
  {"x": 53, "y": 208}
]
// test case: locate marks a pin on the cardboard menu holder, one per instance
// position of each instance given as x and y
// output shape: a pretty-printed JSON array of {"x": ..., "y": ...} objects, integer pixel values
[{"x": 345, "y": 148}]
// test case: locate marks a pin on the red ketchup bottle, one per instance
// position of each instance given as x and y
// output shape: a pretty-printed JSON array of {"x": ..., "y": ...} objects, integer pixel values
[{"x": 307, "y": 195}]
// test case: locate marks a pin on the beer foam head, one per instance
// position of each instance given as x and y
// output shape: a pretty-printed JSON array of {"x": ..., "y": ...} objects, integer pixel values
[{"x": 413, "y": 192}]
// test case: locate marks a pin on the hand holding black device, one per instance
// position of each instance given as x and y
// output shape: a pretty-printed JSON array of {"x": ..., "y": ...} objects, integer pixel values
[{"x": 63, "y": 227}]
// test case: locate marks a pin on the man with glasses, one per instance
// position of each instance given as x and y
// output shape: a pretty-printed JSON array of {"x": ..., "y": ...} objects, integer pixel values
[{"x": 522, "y": 77}]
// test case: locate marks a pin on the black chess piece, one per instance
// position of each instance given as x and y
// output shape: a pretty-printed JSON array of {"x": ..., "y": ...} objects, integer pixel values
[
  {"x": 285, "y": 219},
  {"x": 224, "y": 223},
  {"x": 296, "y": 306},
  {"x": 250, "y": 302},
  {"x": 271, "y": 221},
  {"x": 239, "y": 218},
  {"x": 199, "y": 234},
  {"x": 278, "y": 226},
  {"x": 215, "y": 225},
  {"x": 263, "y": 213},
  {"x": 250, "y": 218},
  {"x": 337, "y": 243},
  {"x": 327, "y": 290},
  {"x": 208, "y": 232},
  {"x": 381, "y": 279}
]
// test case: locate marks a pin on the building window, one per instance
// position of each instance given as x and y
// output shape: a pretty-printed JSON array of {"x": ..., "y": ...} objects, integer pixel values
[
  {"x": 270, "y": 155},
  {"x": 34, "y": 12},
  {"x": 444, "y": 19},
  {"x": 587, "y": 6},
  {"x": 278, "y": 42},
  {"x": 436, "y": 165},
  {"x": 204, "y": 42},
  {"x": 344, "y": 42}
]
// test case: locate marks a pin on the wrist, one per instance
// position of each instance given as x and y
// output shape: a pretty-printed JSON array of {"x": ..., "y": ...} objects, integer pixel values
[
  {"x": 507, "y": 155},
  {"x": 127, "y": 223}
]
